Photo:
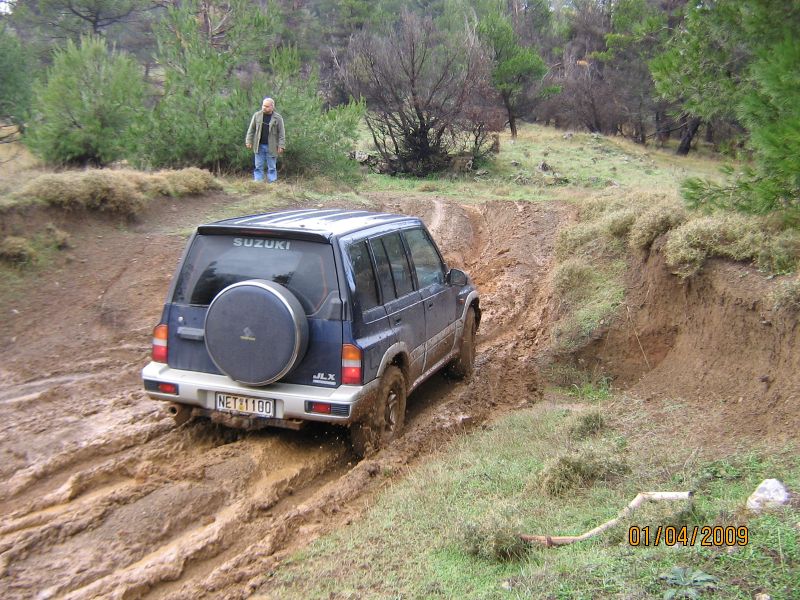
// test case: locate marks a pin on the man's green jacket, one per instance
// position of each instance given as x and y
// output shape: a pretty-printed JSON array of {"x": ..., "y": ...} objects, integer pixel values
[{"x": 276, "y": 136}]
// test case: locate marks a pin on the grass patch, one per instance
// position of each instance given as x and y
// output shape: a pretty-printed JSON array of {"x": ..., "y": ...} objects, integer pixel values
[
  {"x": 591, "y": 391},
  {"x": 579, "y": 470},
  {"x": 587, "y": 424},
  {"x": 734, "y": 236},
  {"x": 17, "y": 251},
  {"x": 589, "y": 295},
  {"x": 787, "y": 295},
  {"x": 121, "y": 192},
  {"x": 447, "y": 529}
]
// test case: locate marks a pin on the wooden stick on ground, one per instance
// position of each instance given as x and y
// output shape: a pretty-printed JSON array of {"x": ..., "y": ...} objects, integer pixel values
[{"x": 640, "y": 499}]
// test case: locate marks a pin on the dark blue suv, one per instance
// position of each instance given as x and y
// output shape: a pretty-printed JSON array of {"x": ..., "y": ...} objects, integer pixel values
[{"x": 310, "y": 315}]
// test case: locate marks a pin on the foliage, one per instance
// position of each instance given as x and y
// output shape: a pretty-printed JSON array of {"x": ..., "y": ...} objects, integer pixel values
[
  {"x": 688, "y": 582},
  {"x": 15, "y": 81},
  {"x": 86, "y": 107},
  {"x": 741, "y": 59},
  {"x": 318, "y": 140},
  {"x": 201, "y": 118},
  {"x": 514, "y": 68},
  {"x": 424, "y": 93}
]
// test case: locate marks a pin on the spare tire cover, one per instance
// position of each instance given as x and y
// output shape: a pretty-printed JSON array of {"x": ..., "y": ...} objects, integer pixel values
[{"x": 256, "y": 331}]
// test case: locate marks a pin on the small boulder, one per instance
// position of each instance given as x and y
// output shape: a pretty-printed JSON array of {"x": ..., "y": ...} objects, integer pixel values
[{"x": 769, "y": 494}]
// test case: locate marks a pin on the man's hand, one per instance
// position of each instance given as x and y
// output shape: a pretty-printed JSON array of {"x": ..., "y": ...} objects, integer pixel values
[
  {"x": 280, "y": 150},
  {"x": 249, "y": 146}
]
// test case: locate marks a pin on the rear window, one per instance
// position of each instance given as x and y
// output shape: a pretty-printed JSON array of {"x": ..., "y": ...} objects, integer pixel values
[{"x": 216, "y": 261}]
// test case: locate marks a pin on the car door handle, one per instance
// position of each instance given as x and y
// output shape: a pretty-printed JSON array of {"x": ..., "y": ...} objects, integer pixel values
[
  {"x": 398, "y": 320},
  {"x": 430, "y": 304}
]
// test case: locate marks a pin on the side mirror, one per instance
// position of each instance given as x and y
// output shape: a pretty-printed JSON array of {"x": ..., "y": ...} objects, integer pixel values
[{"x": 456, "y": 277}]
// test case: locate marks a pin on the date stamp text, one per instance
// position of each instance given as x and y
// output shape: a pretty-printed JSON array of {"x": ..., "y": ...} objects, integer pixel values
[{"x": 688, "y": 535}]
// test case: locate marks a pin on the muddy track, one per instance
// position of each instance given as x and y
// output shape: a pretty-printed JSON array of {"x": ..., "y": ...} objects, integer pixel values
[{"x": 102, "y": 496}]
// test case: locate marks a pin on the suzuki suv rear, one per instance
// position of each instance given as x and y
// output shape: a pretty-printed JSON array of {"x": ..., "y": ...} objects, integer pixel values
[{"x": 310, "y": 315}]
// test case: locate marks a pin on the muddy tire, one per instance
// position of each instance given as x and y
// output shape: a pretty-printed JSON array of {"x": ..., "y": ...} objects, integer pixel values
[
  {"x": 256, "y": 331},
  {"x": 463, "y": 365},
  {"x": 387, "y": 418}
]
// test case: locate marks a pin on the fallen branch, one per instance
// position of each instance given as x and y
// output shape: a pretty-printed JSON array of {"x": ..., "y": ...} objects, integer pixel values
[{"x": 640, "y": 499}]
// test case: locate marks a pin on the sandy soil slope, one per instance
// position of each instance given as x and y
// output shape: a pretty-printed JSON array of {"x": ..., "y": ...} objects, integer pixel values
[{"x": 102, "y": 496}]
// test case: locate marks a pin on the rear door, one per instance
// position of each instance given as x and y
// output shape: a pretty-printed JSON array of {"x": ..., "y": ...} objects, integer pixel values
[
  {"x": 439, "y": 299},
  {"x": 402, "y": 302},
  {"x": 305, "y": 268}
]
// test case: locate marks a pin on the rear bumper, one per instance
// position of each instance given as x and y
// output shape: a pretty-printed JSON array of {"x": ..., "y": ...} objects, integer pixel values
[{"x": 199, "y": 389}]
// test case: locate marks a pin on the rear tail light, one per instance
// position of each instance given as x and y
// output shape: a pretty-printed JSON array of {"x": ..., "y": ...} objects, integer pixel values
[
  {"x": 168, "y": 388},
  {"x": 318, "y": 407},
  {"x": 351, "y": 364},
  {"x": 160, "y": 343}
]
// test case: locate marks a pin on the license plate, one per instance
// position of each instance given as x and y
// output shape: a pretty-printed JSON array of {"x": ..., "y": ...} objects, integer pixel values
[{"x": 244, "y": 404}]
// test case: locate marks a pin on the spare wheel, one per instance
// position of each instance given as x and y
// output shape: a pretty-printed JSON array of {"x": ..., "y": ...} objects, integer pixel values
[{"x": 256, "y": 331}]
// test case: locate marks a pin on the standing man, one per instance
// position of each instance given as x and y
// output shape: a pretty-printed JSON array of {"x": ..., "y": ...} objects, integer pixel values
[{"x": 267, "y": 139}]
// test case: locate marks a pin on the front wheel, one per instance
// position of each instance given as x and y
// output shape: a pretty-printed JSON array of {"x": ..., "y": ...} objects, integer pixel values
[
  {"x": 462, "y": 366},
  {"x": 388, "y": 415}
]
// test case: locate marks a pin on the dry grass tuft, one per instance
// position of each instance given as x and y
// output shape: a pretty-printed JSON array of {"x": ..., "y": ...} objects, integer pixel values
[
  {"x": 17, "y": 251},
  {"x": 493, "y": 536},
  {"x": 654, "y": 222},
  {"x": 787, "y": 295},
  {"x": 574, "y": 471},
  {"x": 573, "y": 281},
  {"x": 57, "y": 237},
  {"x": 734, "y": 236},
  {"x": 123, "y": 192}
]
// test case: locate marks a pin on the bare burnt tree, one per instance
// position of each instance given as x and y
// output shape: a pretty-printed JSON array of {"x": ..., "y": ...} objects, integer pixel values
[{"x": 418, "y": 87}]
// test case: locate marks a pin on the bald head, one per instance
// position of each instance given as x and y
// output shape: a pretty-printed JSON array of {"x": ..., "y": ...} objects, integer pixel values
[{"x": 267, "y": 106}]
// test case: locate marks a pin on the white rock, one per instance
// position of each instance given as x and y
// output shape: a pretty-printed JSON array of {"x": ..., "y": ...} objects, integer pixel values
[
  {"x": 763, "y": 596},
  {"x": 769, "y": 494}
]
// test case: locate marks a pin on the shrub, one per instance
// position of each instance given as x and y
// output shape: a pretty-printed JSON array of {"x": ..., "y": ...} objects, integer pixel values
[
  {"x": 17, "y": 251},
  {"x": 318, "y": 139},
  {"x": 86, "y": 106}
]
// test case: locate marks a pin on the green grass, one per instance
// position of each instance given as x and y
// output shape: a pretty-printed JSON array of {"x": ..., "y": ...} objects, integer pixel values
[{"x": 445, "y": 531}]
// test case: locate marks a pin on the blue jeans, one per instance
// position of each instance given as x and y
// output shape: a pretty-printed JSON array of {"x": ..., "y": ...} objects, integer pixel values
[{"x": 263, "y": 156}]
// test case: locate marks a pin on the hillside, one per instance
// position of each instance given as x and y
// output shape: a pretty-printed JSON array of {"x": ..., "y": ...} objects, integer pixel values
[{"x": 102, "y": 496}]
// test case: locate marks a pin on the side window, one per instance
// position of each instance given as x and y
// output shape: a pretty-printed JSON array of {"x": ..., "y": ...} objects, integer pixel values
[
  {"x": 384, "y": 270},
  {"x": 401, "y": 272},
  {"x": 427, "y": 264},
  {"x": 366, "y": 290}
]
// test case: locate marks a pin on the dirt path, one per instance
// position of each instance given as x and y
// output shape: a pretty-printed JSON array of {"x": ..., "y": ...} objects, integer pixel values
[{"x": 102, "y": 496}]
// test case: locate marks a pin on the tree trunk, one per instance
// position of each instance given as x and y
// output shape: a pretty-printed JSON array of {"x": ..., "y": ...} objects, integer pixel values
[
  {"x": 512, "y": 119},
  {"x": 688, "y": 135}
]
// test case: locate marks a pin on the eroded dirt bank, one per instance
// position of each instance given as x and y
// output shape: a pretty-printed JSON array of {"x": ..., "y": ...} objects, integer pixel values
[
  {"x": 713, "y": 344},
  {"x": 102, "y": 496}
]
